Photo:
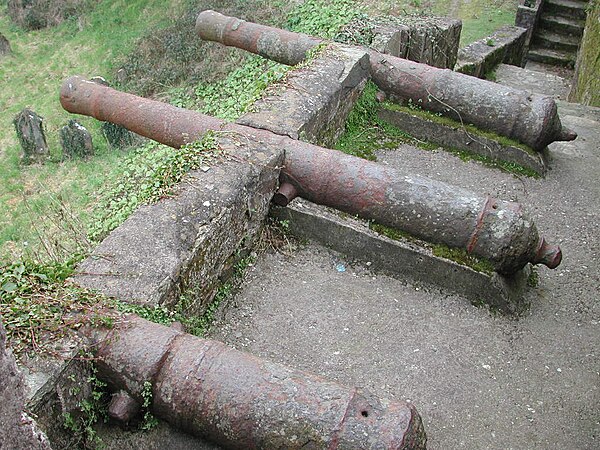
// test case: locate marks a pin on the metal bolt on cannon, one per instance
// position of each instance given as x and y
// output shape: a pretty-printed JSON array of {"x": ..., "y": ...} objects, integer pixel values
[
  {"x": 495, "y": 230},
  {"x": 528, "y": 118}
]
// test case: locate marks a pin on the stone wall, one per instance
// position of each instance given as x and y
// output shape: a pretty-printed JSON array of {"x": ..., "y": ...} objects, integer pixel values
[
  {"x": 506, "y": 45},
  {"x": 528, "y": 15},
  {"x": 586, "y": 83}
]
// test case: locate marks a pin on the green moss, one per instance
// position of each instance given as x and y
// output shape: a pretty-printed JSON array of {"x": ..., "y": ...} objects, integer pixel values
[
  {"x": 510, "y": 167},
  {"x": 392, "y": 233},
  {"x": 443, "y": 120},
  {"x": 461, "y": 256},
  {"x": 533, "y": 280},
  {"x": 364, "y": 132},
  {"x": 457, "y": 255},
  {"x": 587, "y": 86}
]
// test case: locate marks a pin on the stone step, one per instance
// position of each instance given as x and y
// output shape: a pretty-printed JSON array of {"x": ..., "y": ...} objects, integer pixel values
[
  {"x": 562, "y": 25},
  {"x": 570, "y": 9},
  {"x": 546, "y": 39},
  {"x": 553, "y": 57}
]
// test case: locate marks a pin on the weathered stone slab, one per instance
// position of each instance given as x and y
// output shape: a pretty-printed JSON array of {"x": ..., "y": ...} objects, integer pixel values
[
  {"x": 4, "y": 46},
  {"x": 433, "y": 40},
  {"x": 76, "y": 140},
  {"x": 506, "y": 45},
  {"x": 352, "y": 237},
  {"x": 17, "y": 429},
  {"x": 30, "y": 131},
  {"x": 457, "y": 137},
  {"x": 190, "y": 239},
  {"x": 316, "y": 99}
]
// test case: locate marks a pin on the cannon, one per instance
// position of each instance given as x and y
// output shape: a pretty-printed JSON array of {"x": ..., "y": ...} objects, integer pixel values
[
  {"x": 495, "y": 230},
  {"x": 525, "y": 117},
  {"x": 240, "y": 401}
]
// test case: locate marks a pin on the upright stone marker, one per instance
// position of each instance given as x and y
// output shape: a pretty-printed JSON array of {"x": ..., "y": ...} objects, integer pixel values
[
  {"x": 4, "y": 46},
  {"x": 30, "y": 131},
  {"x": 76, "y": 141}
]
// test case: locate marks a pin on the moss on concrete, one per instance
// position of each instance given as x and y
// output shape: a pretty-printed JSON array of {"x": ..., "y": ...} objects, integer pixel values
[
  {"x": 443, "y": 120},
  {"x": 457, "y": 255},
  {"x": 586, "y": 88}
]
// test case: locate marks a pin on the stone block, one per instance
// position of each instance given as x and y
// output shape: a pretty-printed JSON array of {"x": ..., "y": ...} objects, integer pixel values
[
  {"x": 528, "y": 16},
  {"x": 4, "y": 46},
  {"x": 76, "y": 141},
  {"x": 457, "y": 137},
  {"x": 425, "y": 39},
  {"x": 188, "y": 240},
  {"x": 409, "y": 259},
  {"x": 30, "y": 131},
  {"x": 506, "y": 45},
  {"x": 433, "y": 40},
  {"x": 315, "y": 99}
]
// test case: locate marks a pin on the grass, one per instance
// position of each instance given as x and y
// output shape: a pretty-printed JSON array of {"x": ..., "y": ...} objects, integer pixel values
[{"x": 31, "y": 77}]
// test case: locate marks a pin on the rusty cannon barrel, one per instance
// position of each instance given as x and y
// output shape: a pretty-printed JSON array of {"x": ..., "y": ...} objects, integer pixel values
[
  {"x": 240, "y": 401},
  {"x": 528, "y": 118},
  {"x": 495, "y": 230}
]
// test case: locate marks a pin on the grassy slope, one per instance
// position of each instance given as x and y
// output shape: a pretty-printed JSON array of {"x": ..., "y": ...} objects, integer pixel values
[
  {"x": 31, "y": 77},
  {"x": 31, "y": 197}
]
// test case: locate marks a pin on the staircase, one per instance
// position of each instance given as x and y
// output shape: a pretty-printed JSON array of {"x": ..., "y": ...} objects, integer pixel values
[{"x": 559, "y": 31}]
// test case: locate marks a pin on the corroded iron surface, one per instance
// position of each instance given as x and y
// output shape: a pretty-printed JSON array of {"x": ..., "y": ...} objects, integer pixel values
[
  {"x": 428, "y": 209},
  {"x": 520, "y": 115},
  {"x": 244, "y": 402}
]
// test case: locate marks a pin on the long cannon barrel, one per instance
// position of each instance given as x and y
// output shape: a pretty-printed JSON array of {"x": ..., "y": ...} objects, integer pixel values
[
  {"x": 242, "y": 402},
  {"x": 528, "y": 118},
  {"x": 495, "y": 230}
]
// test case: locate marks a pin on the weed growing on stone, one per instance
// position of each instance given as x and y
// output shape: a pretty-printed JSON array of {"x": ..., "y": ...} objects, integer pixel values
[
  {"x": 146, "y": 176},
  {"x": 148, "y": 420},
  {"x": 39, "y": 309},
  {"x": 92, "y": 410}
]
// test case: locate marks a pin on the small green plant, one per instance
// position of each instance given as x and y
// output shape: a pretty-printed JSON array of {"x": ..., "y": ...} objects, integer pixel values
[
  {"x": 322, "y": 18},
  {"x": 149, "y": 421},
  {"x": 91, "y": 410},
  {"x": 533, "y": 280},
  {"x": 145, "y": 177},
  {"x": 365, "y": 132},
  {"x": 38, "y": 308},
  {"x": 230, "y": 98},
  {"x": 490, "y": 42}
]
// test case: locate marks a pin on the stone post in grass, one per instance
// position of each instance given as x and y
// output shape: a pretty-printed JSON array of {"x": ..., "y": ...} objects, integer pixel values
[
  {"x": 76, "y": 141},
  {"x": 30, "y": 131},
  {"x": 4, "y": 46}
]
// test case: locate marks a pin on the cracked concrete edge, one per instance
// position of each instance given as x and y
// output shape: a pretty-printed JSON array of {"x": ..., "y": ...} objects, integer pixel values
[
  {"x": 314, "y": 101},
  {"x": 457, "y": 138},
  {"x": 401, "y": 258}
]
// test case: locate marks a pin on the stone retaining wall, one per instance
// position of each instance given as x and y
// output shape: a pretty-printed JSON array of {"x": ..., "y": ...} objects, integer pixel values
[{"x": 507, "y": 45}]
